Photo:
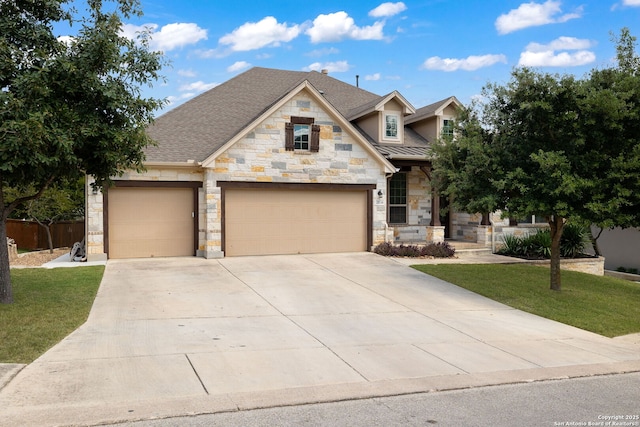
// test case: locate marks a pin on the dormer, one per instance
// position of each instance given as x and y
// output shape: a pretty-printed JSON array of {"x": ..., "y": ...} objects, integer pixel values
[
  {"x": 435, "y": 120},
  {"x": 383, "y": 119}
]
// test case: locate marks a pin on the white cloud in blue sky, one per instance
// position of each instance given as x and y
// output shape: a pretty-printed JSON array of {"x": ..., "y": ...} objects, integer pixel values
[
  {"x": 533, "y": 15},
  {"x": 470, "y": 63},
  {"x": 426, "y": 50},
  {"x": 334, "y": 27},
  {"x": 267, "y": 32},
  {"x": 387, "y": 9}
]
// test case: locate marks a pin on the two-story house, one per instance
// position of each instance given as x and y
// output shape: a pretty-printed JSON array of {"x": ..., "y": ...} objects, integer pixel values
[{"x": 276, "y": 162}]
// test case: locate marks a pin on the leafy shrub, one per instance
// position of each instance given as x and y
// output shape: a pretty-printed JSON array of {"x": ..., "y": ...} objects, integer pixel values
[
  {"x": 511, "y": 245},
  {"x": 384, "y": 249},
  {"x": 575, "y": 239},
  {"x": 627, "y": 270},
  {"x": 436, "y": 250},
  {"x": 539, "y": 244}
]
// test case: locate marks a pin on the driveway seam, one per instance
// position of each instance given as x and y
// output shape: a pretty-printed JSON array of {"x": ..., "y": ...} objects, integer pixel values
[
  {"x": 197, "y": 375},
  {"x": 294, "y": 322}
]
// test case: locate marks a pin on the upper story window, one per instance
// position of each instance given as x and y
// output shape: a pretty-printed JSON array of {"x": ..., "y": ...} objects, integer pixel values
[
  {"x": 391, "y": 126},
  {"x": 302, "y": 135},
  {"x": 447, "y": 128}
]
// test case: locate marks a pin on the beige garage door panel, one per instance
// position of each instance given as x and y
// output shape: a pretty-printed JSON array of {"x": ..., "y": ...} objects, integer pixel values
[
  {"x": 262, "y": 222},
  {"x": 150, "y": 222}
]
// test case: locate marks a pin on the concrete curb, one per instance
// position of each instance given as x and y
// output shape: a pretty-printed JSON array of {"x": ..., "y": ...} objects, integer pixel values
[{"x": 96, "y": 413}]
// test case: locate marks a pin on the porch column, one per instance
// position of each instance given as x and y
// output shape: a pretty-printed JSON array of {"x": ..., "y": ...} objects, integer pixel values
[
  {"x": 435, "y": 208},
  {"x": 435, "y": 230}
]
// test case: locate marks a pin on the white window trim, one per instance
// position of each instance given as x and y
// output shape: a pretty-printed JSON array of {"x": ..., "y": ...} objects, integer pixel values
[
  {"x": 442, "y": 128},
  {"x": 384, "y": 127}
]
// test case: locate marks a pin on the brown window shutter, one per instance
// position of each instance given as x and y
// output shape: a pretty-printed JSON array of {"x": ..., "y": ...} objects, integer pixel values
[
  {"x": 315, "y": 138},
  {"x": 288, "y": 137}
]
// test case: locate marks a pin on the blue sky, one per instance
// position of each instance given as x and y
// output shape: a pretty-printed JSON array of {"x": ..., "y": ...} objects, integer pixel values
[{"x": 426, "y": 49}]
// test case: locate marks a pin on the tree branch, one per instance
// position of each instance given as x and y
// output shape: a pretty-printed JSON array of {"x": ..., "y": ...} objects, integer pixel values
[{"x": 17, "y": 202}]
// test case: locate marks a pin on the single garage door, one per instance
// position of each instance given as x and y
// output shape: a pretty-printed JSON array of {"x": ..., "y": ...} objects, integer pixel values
[
  {"x": 264, "y": 222},
  {"x": 150, "y": 222}
]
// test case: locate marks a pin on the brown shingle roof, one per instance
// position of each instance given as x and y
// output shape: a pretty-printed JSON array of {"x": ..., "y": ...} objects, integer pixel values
[
  {"x": 199, "y": 127},
  {"x": 196, "y": 129},
  {"x": 429, "y": 110}
]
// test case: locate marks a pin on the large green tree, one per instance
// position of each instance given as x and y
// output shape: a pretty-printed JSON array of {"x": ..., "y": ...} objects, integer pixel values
[
  {"x": 69, "y": 107},
  {"x": 551, "y": 145}
]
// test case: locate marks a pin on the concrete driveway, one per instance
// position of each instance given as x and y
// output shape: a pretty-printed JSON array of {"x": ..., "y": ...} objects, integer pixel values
[{"x": 179, "y": 336}]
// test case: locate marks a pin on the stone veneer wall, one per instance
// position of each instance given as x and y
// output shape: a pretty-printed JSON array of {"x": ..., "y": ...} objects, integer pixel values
[
  {"x": 418, "y": 209},
  {"x": 464, "y": 226},
  {"x": 261, "y": 157}
]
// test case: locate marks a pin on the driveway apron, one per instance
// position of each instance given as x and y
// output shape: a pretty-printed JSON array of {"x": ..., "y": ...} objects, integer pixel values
[{"x": 176, "y": 336}]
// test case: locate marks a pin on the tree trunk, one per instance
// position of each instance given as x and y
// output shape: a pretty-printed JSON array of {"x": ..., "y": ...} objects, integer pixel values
[
  {"x": 557, "y": 224},
  {"x": 6, "y": 291},
  {"x": 594, "y": 241}
]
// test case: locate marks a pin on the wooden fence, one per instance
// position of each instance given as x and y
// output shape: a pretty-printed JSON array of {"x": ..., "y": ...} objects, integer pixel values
[{"x": 30, "y": 235}]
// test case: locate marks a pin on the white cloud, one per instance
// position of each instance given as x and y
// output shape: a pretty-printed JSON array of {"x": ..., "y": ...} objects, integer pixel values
[
  {"x": 186, "y": 73},
  {"x": 256, "y": 35},
  {"x": 237, "y": 66},
  {"x": 388, "y": 9},
  {"x": 470, "y": 63},
  {"x": 332, "y": 67},
  {"x": 372, "y": 77},
  {"x": 541, "y": 55},
  {"x": 632, "y": 3},
  {"x": 533, "y": 14},
  {"x": 67, "y": 40},
  {"x": 561, "y": 43},
  {"x": 550, "y": 59},
  {"x": 337, "y": 26},
  {"x": 322, "y": 52},
  {"x": 170, "y": 37},
  {"x": 198, "y": 86}
]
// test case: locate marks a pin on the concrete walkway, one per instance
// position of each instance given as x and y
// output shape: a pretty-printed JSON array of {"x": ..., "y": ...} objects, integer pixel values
[{"x": 169, "y": 337}]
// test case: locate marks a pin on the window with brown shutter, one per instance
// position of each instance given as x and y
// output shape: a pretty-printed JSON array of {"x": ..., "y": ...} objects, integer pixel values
[{"x": 302, "y": 134}]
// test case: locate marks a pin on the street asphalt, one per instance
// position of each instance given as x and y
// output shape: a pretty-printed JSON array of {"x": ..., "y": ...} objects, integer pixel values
[{"x": 183, "y": 336}]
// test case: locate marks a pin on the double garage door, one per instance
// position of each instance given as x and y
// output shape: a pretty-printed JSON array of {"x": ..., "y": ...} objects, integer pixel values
[
  {"x": 148, "y": 222},
  {"x": 267, "y": 222}
]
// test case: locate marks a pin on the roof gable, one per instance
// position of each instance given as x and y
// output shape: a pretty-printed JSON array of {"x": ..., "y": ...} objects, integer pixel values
[
  {"x": 319, "y": 98},
  {"x": 199, "y": 127},
  {"x": 432, "y": 110},
  {"x": 378, "y": 105}
]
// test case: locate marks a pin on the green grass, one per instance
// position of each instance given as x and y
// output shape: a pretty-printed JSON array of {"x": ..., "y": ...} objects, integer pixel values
[
  {"x": 48, "y": 305},
  {"x": 604, "y": 305}
]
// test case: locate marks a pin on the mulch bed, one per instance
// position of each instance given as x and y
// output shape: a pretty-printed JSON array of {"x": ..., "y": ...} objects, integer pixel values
[{"x": 37, "y": 258}]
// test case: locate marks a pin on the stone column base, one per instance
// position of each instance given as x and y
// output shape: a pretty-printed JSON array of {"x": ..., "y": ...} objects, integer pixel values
[
  {"x": 483, "y": 233},
  {"x": 435, "y": 234}
]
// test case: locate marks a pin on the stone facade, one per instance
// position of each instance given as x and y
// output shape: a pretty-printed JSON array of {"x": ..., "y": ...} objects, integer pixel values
[
  {"x": 94, "y": 225},
  {"x": 418, "y": 210},
  {"x": 260, "y": 156}
]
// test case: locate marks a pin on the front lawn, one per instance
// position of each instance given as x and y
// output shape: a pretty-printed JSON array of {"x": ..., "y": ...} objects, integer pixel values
[
  {"x": 49, "y": 305},
  {"x": 604, "y": 305}
]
